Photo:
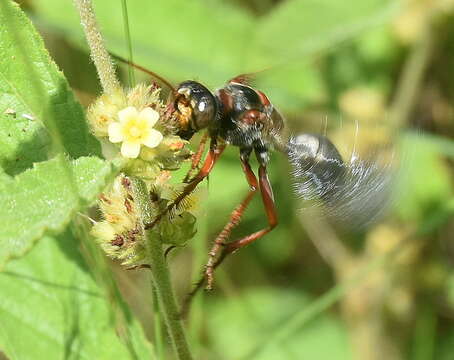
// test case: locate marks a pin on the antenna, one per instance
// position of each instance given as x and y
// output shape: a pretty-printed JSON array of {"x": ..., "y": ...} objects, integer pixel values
[{"x": 146, "y": 71}]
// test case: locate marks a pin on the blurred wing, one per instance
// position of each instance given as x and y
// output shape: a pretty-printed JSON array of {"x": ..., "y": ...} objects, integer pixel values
[
  {"x": 245, "y": 79},
  {"x": 350, "y": 194}
]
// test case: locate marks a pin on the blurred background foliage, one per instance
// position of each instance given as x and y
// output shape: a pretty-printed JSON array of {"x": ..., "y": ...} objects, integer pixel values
[{"x": 304, "y": 291}]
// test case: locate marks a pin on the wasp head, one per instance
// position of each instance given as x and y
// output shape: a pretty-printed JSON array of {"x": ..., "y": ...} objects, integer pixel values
[{"x": 196, "y": 108}]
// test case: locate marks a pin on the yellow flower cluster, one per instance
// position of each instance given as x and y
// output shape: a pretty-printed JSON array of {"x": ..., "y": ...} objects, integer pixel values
[
  {"x": 121, "y": 232},
  {"x": 138, "y": 125},
  {"x": 135, "y": 129},
  {"x": 131, "y": 119}
]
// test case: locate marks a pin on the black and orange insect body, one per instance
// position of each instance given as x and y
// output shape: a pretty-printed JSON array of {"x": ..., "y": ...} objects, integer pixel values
[
  {"x": 244, "y": 117},
  {"x": 237, "y": 115}
]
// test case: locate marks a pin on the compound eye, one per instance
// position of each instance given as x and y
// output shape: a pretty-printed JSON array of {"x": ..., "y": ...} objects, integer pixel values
[{"x": 201, "y": 103}]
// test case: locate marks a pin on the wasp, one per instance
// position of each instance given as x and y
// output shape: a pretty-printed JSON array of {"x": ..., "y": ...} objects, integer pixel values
[{"x": 242, "y": 116}]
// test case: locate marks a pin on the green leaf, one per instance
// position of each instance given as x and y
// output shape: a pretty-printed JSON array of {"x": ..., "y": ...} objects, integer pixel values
[
  {"x": 213, "y": 41},
  {"x": 36, "y": 104},
  {"x": 52, "y": 308},
  {"x": 309, "y": 27},
  {"x": 44, "y": 199},
  {"x": 174, "y": 37}
]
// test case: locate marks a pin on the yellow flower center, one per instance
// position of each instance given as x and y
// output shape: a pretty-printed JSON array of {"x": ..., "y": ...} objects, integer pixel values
[{"x": 135, "y": 130}]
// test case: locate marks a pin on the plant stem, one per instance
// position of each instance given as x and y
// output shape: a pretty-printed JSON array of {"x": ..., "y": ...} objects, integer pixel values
[
  {"x": 160, "y": 274},
  {"x": 98, "y": 52},
  {"x": 410, "y": 82},
  {"x": 158, "y": 339},
  {"x": 161, "y": 281},
  {"x": 131, "y": 78}
]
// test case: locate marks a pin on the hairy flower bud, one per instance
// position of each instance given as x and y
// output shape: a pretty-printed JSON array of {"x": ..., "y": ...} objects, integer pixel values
[{"x": 121, "y": 233}]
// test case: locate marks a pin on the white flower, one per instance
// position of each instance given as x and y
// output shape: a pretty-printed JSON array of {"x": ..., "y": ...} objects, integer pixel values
[{"x": 134, "y": 129}]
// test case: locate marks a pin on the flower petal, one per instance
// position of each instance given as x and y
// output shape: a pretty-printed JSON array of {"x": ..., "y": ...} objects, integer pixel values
[
  {"x": 127, "y": 113},
  {"x": 153, "y": 139},
  {"x": 115, "y": 133},
  {"x": 130, "y": 149},
  {"x": 151, "y": 115}
]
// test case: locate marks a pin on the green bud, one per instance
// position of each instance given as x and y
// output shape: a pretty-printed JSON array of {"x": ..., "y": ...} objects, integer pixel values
[
  {"x": 179, "y": 229},
  {"x": 142, "y": 169}
]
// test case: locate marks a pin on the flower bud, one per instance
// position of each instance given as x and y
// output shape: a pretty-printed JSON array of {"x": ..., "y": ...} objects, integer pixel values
[
  {"x": 121, "y": 233},
  {"x": 178, "y": 230}
]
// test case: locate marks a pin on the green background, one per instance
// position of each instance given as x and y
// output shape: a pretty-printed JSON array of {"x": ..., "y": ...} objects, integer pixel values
[{"x": 303, "y": 291}]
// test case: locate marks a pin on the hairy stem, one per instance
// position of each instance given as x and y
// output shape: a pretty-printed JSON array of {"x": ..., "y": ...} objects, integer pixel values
[
  {"x": 158, "y": 338},
  {"x": 160, "y": 275},
  {"x": 161, "y": 281},
  {"x": 99, "y": 54}
]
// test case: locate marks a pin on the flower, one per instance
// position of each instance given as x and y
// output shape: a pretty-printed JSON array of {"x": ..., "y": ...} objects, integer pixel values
[
  {"x": 134, "y": 129},
  {"x": 120, "y": 232}
]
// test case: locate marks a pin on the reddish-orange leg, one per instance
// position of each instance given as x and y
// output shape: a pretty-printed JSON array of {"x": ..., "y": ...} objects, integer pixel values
[
  {"x": 213, "y": 155},
  {"x": 235, "y": 217},
  {"x": 270, "y": 210},
  {"x": 196, "y": 158}
]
